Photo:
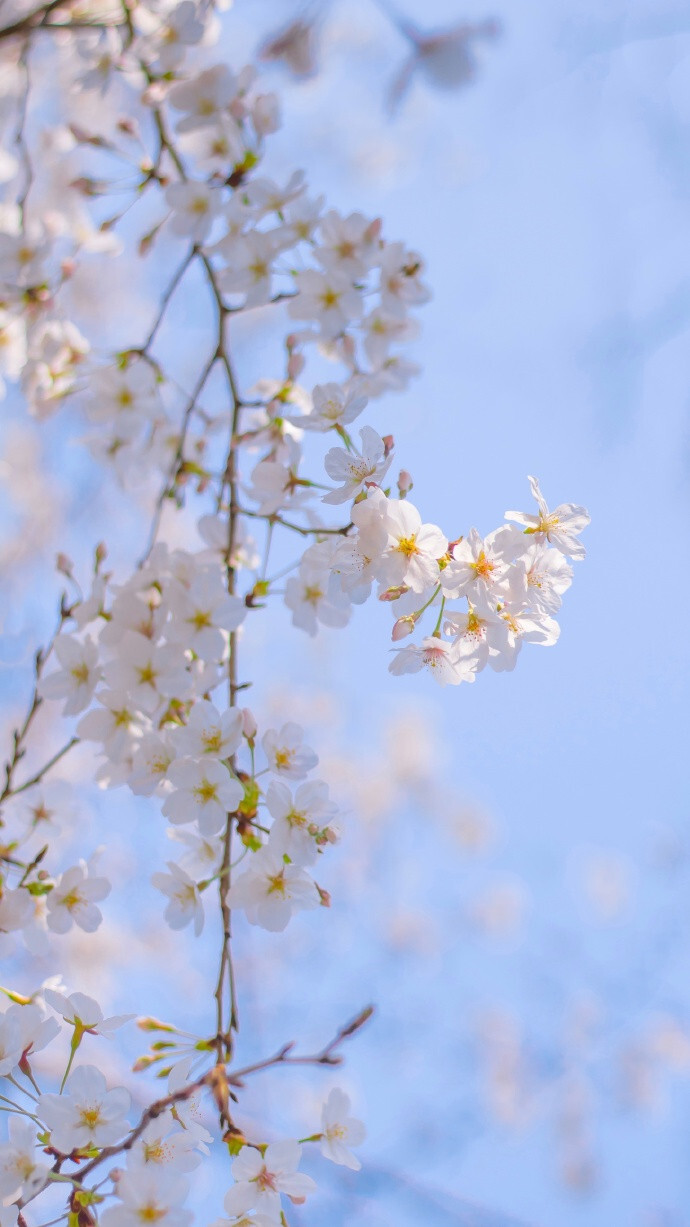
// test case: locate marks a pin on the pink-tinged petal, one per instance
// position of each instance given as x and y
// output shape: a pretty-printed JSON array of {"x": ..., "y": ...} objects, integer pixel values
[
  {"x": 248, "y": 1164},
  {"x": 283, "y": 1157}
]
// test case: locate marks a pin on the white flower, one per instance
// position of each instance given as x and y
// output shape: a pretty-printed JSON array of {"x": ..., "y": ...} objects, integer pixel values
[
  {"x": 413, "y": 548},
  {"x": 559, "y": 527},
  {"x": 23, "y": 1031},
  {"x": 87, "y": 1113},
  {"x": 266, "y": 197},
  {"x": 382, "y": 330},
  {"x": 187, "y": 1111},
  {"x": 11, "y": 1046},
  {"x": 203, "y": 98},
  {"x": 269, "y": 891},
  {"x": 217, "y": 147},
  {"x": 149, "y": 674},
  {"x": 114, "y": 724},
  {"x": 285, "y": 753},
  {"x": 479, "y": 568},
  {"x": 162, "y": 1145},
  {"x": 21, "y": 1173},
  {"x": 123, "y": 391},
  {"x": 355, "y": 469},
  {"x": 249, "y": 266},
  {"x": 203, "y": 614},
  {"x": 333, "y": 405},
  {"x": 330, "y": 299},
  {"x": 76, "y": 681},
  {"x": 315, "y": 594},
  {"x": 195, "y": 206},
  {"x": 207, "y": 732},
  {"x": 204, "y": 792},
  {"x": 148, "y": 1195},
  {"x": 480, "y": 634},
  {"x": 547, "y": 574},
  {"x": 340, "y": 1131},
  {"x": 185, "y": 904},
  {"x": 73, "y": 900},
  {"x": 401, "y": 285},
  {"x": 262, "y": 1179},
  {"x": 358, "y": 559},
  {"x": 276, "y": 484},
  {"x": 83, "y": 1012},
  {"x": 150, "y": 764},
  {"x": 181, "y": 29},
  {"x": 348, "y": 245},
  {"x": 12, "y": 345},
  {"x": 524, "y": 626},
  {"x": 300, "y": 824},
  {"x": 439, "y": 657},
  {"x": 244, "y": 1220},
  {"x": 203, "y": 856}
]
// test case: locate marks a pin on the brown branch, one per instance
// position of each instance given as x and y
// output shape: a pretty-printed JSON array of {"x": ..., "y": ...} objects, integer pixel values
[
  {"x": 20, "y": 734},
  {"x": 325, "y": 1057}
]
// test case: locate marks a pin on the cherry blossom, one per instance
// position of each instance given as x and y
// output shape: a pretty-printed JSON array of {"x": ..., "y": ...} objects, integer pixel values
[
  {"x": 269, "y": 891},
  {"x": 203, "y": 792},
  {"x": 87, "y": 1113},
  {"x": 560, "y": 527},
  {"x": 73, "y": 900},
  {"x": 170, "y": 156},
  {"x": 340, "y": 1131},
  {"x": 148, "y": 1195},
  {"x": 286, "y": 754},
  {"x": 22, "y": 1174},
  {"x": 76, "y": 681},
  {"x": 185, "y": 906},
  {"x": 260, "y": 1179},
  {"x": 444, "y": 663}
]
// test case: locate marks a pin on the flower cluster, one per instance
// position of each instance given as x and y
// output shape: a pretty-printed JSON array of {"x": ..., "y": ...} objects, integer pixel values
[
  {"x": 86, "y": 1121},
  {"x": 146, "y": 664}
]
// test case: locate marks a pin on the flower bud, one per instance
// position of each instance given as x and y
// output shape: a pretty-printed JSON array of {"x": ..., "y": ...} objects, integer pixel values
[
  {"x": 153, "y": 94},
  {"x": 392, "y": 594},
  {"x": 249, "y": 725},
  {"x": 295, "y": 365},
  {"x": 405, "y": 483},
  {"x": 64, "y": 564},
  {"x": 403, "y": 627}
]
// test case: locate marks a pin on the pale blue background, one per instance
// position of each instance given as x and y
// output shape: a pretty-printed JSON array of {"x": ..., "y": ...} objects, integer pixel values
[{"x": 550, "y": 201}]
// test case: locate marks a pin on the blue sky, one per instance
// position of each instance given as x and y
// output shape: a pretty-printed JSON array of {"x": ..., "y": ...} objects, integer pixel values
[{"x": 550, "y": 201}]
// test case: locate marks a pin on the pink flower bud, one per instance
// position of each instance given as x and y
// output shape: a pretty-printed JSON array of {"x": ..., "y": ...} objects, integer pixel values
[
  {"x": 249, "y": 725},
  {"x": 64, "y": 564},
  {"x": 392, "y": 594},
  {"x": 403, "y": 627},
  {"x": 405, "y": 482},
  {"x": 295, "y": 365},
  {"x": 153, "y": 94}
]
